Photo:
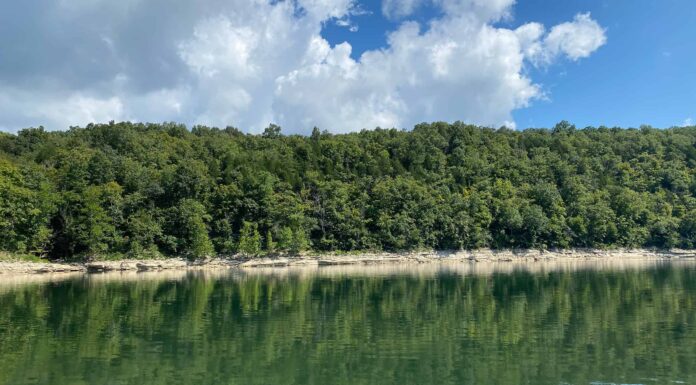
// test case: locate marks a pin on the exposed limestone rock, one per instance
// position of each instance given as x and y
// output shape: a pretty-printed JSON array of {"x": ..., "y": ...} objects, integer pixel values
[
  {"x": 38, "y": 268},
  {"x": 265, "y": 262},
  {"x": 482, "y": 255}
]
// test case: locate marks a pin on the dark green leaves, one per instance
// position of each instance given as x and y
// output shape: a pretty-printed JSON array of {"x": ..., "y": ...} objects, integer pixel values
[{"x": 153, "y": 189}]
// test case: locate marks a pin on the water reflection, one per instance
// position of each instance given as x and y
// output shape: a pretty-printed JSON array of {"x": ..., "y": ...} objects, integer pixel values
[{"x": 482, "y": 323}]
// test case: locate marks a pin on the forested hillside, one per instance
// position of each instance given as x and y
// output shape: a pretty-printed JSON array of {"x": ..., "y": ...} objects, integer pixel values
[{"x": 129, "y": 189}]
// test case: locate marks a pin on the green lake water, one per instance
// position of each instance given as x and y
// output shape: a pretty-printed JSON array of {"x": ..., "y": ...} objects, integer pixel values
[{"x": 435, "y": 324}]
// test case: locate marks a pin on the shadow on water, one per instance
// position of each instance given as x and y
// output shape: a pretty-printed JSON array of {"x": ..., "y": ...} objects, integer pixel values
[{"x": 576, "y": 322}]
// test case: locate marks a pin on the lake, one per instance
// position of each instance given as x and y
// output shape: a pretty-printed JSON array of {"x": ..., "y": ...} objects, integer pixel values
[{"x": 593, "y": 323}]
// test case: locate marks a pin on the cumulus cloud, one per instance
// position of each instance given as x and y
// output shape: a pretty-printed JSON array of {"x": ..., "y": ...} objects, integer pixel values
[
  {"x": 575, "y": 39},
  {"x": 251, "y": 62},
  {"x": 452, "y": 71},
  {"x": 17, "y": 104}
]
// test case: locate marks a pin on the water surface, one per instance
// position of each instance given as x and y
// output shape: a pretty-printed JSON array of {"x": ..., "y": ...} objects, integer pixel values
[{"x": 439, "y": 324}]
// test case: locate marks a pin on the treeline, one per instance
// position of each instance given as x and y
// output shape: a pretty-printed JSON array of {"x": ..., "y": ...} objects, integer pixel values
[{"x": 163, "y": 190}]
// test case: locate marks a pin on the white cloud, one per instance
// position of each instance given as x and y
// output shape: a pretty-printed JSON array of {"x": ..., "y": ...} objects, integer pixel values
[
  {"x": 78, "y": 107},
  {"x": 576, "y": 39},
  {"x": 458, "y": 69},
  {"x": 453, "y": 71},
  {"x": 218, "y": 46},
  {"x": 485, "y": 10},
  {"x": 250, "y": 62},
  {"x": 346, "y": 22},
  {"x": 688, "y": 122},
  {"x": 320, "y": 10},
  {"x": 529, "y": 36},
  {"x": 396, "y": 9}
]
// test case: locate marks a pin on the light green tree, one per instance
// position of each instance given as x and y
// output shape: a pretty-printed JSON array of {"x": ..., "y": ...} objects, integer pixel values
[
  {"x": 249, "y": 239},
  {"x": 270, "y": 244},
  {"x": 192, "y": 218},
  {"x": 285, "y": 238},
  {"x": 300, "y": 242}
]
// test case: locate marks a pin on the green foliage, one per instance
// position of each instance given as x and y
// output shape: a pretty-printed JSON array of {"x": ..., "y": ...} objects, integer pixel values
[
  {"x": 249, "y": 239},
  {"x": 161, "y": 190},
  {"x": 143, "y": 232},
  {"x": 17, "y": 257},
  {"x": 189, "y": 218},
  {"x": 285, "y": 239},
  {"x": 26, "y": 206},
  {"x": 300, "y": 242},
  {"x": 272, "y": 131},
  {"x": 98, "y": 213},
  {"x": 270, "y": 244},
  {"x": 293, "y": 241}
]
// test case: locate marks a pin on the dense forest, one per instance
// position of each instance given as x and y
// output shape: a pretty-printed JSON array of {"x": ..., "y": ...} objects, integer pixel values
[{"x": 150, "y": 190}]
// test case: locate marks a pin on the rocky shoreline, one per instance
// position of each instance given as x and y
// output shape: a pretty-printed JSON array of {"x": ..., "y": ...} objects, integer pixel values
[{"x": 477, "y": 256}]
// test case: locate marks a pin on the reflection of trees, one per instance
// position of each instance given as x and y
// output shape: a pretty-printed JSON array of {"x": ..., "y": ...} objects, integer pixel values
[{"x": 507, "y": 328}]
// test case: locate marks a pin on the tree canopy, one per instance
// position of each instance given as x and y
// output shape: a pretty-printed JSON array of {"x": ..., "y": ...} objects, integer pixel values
[{"x": 162, "y": 189}]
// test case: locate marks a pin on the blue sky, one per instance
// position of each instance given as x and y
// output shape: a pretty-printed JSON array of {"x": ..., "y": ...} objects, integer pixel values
[
  {"x": 645, "y": 74},
  {"x": 345, "y": 65},
  {"x": 642, "y": 75}
]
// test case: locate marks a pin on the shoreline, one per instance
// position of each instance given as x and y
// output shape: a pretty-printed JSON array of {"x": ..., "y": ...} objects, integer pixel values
[{"x": 362, "y": 259}]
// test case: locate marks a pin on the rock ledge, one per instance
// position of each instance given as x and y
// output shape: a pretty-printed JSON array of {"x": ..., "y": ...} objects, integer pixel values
[{"x": 482, "y": 255}]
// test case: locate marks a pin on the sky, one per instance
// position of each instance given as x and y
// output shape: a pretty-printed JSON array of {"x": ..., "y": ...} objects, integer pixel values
[{"x": 347, "y": 65}]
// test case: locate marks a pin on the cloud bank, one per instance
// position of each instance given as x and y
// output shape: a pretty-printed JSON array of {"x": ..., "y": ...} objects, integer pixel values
[{"x": 251, "y": 62}]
